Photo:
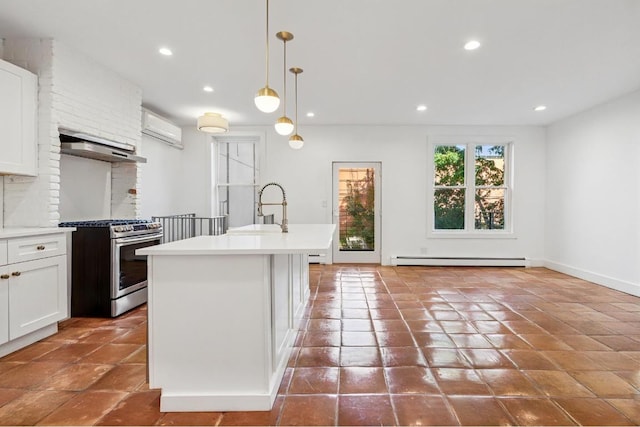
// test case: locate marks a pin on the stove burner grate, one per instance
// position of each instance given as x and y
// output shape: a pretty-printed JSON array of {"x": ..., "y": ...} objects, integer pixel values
[{"x": 103, "y": 223}]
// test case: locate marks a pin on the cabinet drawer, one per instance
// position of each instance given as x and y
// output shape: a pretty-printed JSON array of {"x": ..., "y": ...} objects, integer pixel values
[
  {"x": 3, "y": 252},
  {"x": 37, "y": 247}
]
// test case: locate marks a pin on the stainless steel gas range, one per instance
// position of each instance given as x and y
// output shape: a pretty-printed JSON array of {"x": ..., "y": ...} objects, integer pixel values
[{"x": 107, "y": 277}]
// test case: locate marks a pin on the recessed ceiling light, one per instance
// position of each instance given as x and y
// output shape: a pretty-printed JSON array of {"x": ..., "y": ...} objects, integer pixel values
[
  {"x": 207, "y": 89},
  {"x": 472, "y": 45},
  {"x": 311, "y": 114},
  {"x": 421, "y": 108},
  {"x": 165, "y": 51},
  {"x": 540, "y": 108}
]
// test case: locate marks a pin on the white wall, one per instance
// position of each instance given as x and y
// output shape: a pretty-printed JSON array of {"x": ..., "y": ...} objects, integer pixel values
[
  {"x": 88, "y": 197},
  {"x": 1, "y": 177},
  {"x": 306, "y": 176},
  {"x": 195, "y": 192},
  {"x": 160, "y": 178},
  {"x": 593, "y": 196},
  {"x": 1, "y": 202}
]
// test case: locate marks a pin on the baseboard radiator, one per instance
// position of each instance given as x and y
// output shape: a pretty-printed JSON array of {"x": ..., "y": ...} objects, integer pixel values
[
  {"x": 317, "y": 259},
  {"x": 459, "y": 261}
]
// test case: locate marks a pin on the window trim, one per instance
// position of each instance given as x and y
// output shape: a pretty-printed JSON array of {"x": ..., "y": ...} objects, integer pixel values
[
  {"x": 255, "y": 138},
  {"x": 471, "y": 233}
]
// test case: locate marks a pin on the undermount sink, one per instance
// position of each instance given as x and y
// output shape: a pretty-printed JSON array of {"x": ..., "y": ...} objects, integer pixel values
[{"x": 256, "y": 229}]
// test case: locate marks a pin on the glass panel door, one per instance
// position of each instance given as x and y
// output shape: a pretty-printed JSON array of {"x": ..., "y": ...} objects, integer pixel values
[{"x": 356, "y": 211}]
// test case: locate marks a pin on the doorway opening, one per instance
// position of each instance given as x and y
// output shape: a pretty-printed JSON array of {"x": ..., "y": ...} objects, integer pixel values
[{"x": 356, "y": 212}]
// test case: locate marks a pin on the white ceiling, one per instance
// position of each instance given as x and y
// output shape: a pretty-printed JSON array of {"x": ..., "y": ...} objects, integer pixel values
[{"x": 364, "y": 61}]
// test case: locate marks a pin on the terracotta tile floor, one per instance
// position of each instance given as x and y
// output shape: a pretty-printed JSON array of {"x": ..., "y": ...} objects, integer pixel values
[{"x": 378, "y": 345}]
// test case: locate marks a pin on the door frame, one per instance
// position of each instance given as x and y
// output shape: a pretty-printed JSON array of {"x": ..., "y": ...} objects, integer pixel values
[{"x": 357, "y": 257}]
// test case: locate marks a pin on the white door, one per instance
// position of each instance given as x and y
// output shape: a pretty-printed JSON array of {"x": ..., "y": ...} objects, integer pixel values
[{"x": 356, "y": 212}]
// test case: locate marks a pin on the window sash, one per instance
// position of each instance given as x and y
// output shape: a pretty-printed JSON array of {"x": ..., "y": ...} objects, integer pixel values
[{"x": 470, "y": 189}]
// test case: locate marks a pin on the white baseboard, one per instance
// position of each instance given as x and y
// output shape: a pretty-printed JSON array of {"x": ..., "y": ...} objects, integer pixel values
[
  {"x": 318, "y": 259},
  {"x": 609, "y": 282},
  {"x": 459, "y": 261}
]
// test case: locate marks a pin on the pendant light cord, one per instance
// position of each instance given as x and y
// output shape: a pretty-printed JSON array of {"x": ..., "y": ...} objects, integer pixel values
[
  {"x": 296, "y": 104},
  {"x": 284, "y": 79},
  {"x": 267, "y": 53}
]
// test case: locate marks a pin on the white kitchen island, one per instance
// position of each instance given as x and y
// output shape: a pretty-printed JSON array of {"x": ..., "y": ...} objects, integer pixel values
[{"x": 224, "y": 312}]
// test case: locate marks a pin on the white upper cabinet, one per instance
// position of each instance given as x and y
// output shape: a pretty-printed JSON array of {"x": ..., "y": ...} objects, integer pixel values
[{"x": 18, "y": 103}]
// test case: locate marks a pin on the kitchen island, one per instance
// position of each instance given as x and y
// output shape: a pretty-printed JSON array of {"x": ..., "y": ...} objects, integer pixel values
[{"x": 224, "y": 313}]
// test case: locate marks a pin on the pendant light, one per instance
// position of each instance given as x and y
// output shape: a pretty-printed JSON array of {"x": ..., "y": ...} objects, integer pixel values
[
  {"x": 295, "y": 141},
  {"x": 213, "y": 123},
  {"x": 284, "y": 125},
  {"x": 267, "y": 99}
]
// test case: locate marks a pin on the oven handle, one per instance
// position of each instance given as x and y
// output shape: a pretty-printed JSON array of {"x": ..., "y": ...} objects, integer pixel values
[{"x": 130, "y": 240}]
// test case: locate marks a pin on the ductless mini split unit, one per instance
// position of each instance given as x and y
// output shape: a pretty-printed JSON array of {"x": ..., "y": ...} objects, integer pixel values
[{"x": 161, "y": 129}]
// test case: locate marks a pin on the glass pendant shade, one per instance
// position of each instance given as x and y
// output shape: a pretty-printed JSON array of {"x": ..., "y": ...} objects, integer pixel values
[
  {"x": 267, "y": 100},
  {"x": 284, "y": 126},
  {"x": 296, "y": 142},
  {"x": 213, "y": 123}
]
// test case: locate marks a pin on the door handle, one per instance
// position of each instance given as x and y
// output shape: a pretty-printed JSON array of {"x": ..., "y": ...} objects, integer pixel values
[
  {"x": 40, "y": 247},
  {"x": 4, "y": 276},
  {"x": 16, "y": 273}
]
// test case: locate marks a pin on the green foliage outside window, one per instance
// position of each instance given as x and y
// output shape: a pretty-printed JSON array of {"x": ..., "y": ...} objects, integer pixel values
[
  {"x": 360, "y": 209},
  {"x": 450, "y": 191},
  {"x": 489, "y": 208},
  {"x": 449, "y": 202}
]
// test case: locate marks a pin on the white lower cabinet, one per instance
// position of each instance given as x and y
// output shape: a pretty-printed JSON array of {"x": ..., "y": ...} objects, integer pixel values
[
  {"x": 37, "y": 295},
  {"x": 33, "y": 290},
  {"x": 299, "y": 286},
  {"x": 222, "y": 328},
  {"x": 280, "y": 308},
  {"x": 289, "y": 295},
  {"x": 4, "y": 305}
]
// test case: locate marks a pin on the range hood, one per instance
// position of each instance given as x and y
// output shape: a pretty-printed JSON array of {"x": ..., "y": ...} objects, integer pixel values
[{"x": 93, "y": 147}]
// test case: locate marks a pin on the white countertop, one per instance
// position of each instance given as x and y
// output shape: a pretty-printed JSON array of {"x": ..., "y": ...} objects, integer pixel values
[
  {"x": 256, "y": 229},
  {"x": 9, "y": 232},
  {"x": 252, "y": 240}
]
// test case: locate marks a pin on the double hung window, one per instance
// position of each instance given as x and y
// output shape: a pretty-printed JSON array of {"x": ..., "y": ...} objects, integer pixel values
[
  {"x": 471, "y": 190},
  {"x": 237, "y": 178}
]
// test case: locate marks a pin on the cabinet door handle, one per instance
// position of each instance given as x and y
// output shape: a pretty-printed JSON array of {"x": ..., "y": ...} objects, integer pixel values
[
  {"x": 4, "y": 276},
  {"x": 16, "y": 273},
  {"x": 40, "y": 247}
]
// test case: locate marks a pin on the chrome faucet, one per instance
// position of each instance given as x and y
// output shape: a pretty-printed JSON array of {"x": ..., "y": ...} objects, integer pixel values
[{"x": 285, "y": 223}]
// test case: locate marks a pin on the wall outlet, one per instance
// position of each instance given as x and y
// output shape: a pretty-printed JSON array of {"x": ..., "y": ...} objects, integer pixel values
[
  {"x": 323, "y": 203},
  {"x": 423, "y": 250}
]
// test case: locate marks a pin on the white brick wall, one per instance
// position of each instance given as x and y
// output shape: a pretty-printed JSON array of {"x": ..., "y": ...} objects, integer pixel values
[
  {"x": 27, "y": 200},
  {"x": 75, "y": 93},
  {"x": 125, "y": 179}
]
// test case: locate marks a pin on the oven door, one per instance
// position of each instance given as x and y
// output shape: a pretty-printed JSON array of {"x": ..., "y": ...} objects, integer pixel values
[{"x": 128, "y": 270}]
